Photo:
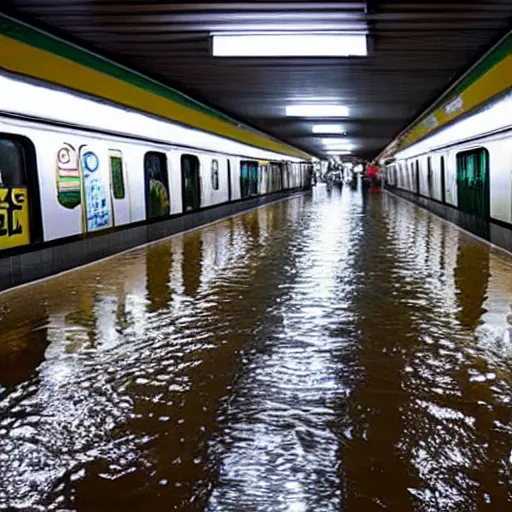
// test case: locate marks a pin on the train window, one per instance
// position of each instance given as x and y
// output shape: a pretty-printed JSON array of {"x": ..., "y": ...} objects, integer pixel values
[
  {"x": 12, "y": 166},
  {"x": 157, "y": 185},
  {"x": 276, "y": 177},
  {"x": 254, "y": 179},
  {"x": 418, "y": 190},
  {"x": 215, "y": 174},
  {"x": 429, "y": 176},
  {"x": 230, "y": 192},
  {"x": 286, "y": 175},
  {"x": 190, "y": 183},
  {"x": 249, "y": 178},
  {"x": 244, "y": 179},
  {"x": 116, "y": 174},
  {"x": 19, "y": 195},
  {"x": 443, "y": 182},
  {"x": 265, "y": 178}
]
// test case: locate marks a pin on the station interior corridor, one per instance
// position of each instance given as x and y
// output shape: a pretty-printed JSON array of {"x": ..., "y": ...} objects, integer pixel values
[{"x": 334, "y": 351}]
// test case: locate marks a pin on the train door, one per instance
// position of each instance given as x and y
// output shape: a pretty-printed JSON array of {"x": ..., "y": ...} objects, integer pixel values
[
  {"x": 473, "y": 182},
  {"x": 20, "y": 221},
  {"x": 190, "y": 183},
  {"x": 443, "y": 180},
  {"x": 156, "y": 178},
  {"x": 120, "y": 198},
  {"x": 417, "y": 176},
  {"x": 245, "y": 186},
  {"x": 265, "y": 182},
  {"x": 230, "y": 192},
  {"x": 429, "y": 176},
  {"x": 249, "y": 178},
  {"x": 96, "y": 210}
]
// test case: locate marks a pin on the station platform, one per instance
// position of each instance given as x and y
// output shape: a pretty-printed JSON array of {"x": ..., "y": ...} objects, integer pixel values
[{"x": 332, "y": 351}]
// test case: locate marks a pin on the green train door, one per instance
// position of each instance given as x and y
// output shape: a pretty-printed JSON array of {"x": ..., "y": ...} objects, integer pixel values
[
  {"x": 473, "y": 182},
  {"x": 245, "y": 180},
  {"x": 253, "y": 178},
  {"x": 190, "y": 183}
]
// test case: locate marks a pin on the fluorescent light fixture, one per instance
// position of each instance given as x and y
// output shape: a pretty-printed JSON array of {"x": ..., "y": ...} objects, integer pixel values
[
  {"x": 339, "y": 147},
  {"x": 339, "y": 152},
  {"x": 317, "y": 111},
  {"x": 288, "y": 44},
  {"x": 327, "y": 128},
  {"x": 334, "y": 140}
]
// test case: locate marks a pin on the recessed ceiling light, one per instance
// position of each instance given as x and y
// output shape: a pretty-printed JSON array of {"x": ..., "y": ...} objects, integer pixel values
[
  {"x": 339, "y": 152},
  {"x": 339, "y": 147},
  {"x": 317, "y": 110},
  {"x": 327, "y": 128},
  {"x": 335, "y": 141},
  {"x": 288, "y": 44}
]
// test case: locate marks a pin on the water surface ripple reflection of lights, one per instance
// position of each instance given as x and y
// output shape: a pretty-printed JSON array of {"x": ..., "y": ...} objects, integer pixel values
[{"x": 334, "y": 352}]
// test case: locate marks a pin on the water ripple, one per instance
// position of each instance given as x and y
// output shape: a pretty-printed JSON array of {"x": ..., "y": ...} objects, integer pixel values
[{"x": 334, "y": 352}]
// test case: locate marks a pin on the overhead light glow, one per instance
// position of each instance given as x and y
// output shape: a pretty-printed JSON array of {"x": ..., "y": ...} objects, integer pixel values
[
  {"x": 339, "y": 152},
  {"x": 327, "y": 128},
  {"x": 288, "y": 44},
  {"x": 39, "y": 101},
  {"x": 317, "y": 111},
  {"x": 335, "y": 141},
  {"x": 339, "y": 147}
]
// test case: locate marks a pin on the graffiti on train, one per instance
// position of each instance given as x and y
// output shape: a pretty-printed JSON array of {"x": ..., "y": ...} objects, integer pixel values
[
  {"x": 97, "y": 200},
  {"x": 80, "y": 179},
  {"x": 68, "y": 177},
  {"x": 14, "y": 218}
]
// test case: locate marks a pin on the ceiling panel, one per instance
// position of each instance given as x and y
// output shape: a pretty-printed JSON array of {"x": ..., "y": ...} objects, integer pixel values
[{"x": 418, "y": 48}]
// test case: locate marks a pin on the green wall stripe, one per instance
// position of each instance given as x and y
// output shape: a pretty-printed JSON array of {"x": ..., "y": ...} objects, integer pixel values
[
  {"x": 49, "y": 43},
  {"x": 497, "y": 55}
]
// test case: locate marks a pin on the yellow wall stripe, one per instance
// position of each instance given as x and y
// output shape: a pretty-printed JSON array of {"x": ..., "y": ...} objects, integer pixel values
[
  {"x": 24, "y": 59},
  {"x": 495, "y": 81}
]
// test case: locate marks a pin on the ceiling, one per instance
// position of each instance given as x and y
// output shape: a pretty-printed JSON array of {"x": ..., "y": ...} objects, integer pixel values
[{"x": 417, "y": 50}]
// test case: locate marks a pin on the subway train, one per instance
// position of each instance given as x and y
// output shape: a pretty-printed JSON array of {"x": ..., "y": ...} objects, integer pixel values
[
  {"x": 467, "y": 165},
  {"x": 71, "y": 166}
]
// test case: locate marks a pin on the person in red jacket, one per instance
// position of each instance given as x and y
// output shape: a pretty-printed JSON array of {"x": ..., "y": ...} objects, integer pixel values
[
  {"x": 372, "y": 172},
  {"x": 373, "y": 179}
]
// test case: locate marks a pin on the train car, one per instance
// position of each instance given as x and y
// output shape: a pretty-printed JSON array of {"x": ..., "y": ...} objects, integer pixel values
[
  {"x": 72, "y": 168},
  {"x": 467, "y": 165}
]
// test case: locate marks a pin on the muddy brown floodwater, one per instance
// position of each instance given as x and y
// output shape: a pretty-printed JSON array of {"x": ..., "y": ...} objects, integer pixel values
[{"x": 328, "y": 352}]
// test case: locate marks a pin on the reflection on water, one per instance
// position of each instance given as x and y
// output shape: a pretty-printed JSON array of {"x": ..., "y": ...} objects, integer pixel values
[
  {"x": 191, "y": 263},
  {"x": 333, "y": 352},
  {"x": 158, "y": 269},
  {"x": 471, "y": 286}
]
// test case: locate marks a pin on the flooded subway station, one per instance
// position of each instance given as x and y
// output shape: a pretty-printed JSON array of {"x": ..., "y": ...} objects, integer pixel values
[{"x": 334, "y": 351}]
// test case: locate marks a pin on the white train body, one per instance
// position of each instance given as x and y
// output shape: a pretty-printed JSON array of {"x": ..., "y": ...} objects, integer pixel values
[
  {"x": 487, "y": 135},
  {"x": 96, "y": 166}
]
